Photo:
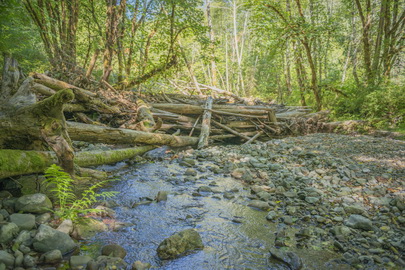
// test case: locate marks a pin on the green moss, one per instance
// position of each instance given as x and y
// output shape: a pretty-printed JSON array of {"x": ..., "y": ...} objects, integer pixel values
[
  {"x": 91, "y": 158},
  {"x": 17, "y": 162}
]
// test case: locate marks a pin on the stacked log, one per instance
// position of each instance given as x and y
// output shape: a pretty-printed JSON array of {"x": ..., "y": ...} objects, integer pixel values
[{"x": 235, "y": 120}]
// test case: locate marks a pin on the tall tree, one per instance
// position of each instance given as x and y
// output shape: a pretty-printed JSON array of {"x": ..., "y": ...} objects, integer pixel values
[{"x": 57, "y": 23}]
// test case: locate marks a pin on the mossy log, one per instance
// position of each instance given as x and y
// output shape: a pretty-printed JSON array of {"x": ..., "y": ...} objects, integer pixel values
[
  {"x": 93, "y": 133},
  {"x": 19, "y": 162}
]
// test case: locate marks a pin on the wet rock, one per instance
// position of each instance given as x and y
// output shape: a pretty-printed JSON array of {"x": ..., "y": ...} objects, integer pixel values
[
  {"x": 290, "y": 194},
  {"x": 144, "y": 202},
  {"x": 312, "y": 200},
  {"x": 340, "y": 231},
  {"x": 229, "y": 195},
  {"x": 9, "y": 204},
  {"x": 259, "y": 205},
  {"x": 287, "y": 257},
  {"x": 238, "y": 173},
  {"x": 354, "y": 209},
  {"x": 19, "y": 258},
  {"x": 162, "y": 196},
  {"x": 288, "y": 220},
  {"x": 6, "y": 258},
  {"x": 204, "y": 189},
  {"x": 51, "y": 257},
  {"x": 66, "y": 226},
  {"x": 105, "y": 211},
  {"x": 263, "y": 195},
  {"x": 79, "y": 262},
  {"x": 34, "y": 203},
  {"x": 23, "y": 221},
  {"x": 29, "y": 261},
  {"x": 237, "y": 220},
  {"x": 359, "y": 222},
  {"x": 43, "y": 218},
  {"x": 48, "y": 239},
  {"x": 88, "y": 228},
  {"x": 4, "y": 194},
  {"x": 113, "y": 250},
  {"x": 138, "y": 265},
  {"x": 4, "y": 213},
  {"x": 179, "y": 243},
  {"x": 8, "y": 232},
  {"x": 111, "y": 262},
  {"x": 190, "y": 172},
  {"x": 24, "y": 238}
]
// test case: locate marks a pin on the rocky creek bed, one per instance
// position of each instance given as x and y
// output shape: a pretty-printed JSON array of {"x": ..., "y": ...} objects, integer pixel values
[{"x": 321, "y": 201}]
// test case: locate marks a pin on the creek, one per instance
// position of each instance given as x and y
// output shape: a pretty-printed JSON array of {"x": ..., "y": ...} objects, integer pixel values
[{"x": 235, "y": 236}]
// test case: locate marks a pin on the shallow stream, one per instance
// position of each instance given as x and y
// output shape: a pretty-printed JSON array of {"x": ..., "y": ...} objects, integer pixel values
[{"x": 235, "y": 236}]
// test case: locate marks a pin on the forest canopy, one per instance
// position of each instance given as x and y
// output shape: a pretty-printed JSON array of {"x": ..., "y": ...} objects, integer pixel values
[{"x": 346, "y": 56}]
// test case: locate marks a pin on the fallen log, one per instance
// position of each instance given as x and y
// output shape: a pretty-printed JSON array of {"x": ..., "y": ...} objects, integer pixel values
[
  {"x": 93, "y": 133},
  {"x": 228, "y": 136},
  {"x": 254, "y": 138},
  {"x": 19, "y": 162},
  {"x": 230, "y": 130},
  {"x": 86, "y": 97}
]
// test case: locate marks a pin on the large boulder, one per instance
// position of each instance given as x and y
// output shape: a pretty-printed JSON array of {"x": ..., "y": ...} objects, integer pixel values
[
  {"x": 48, "y": 239},
  {"x": 180, "y": 243},
  {"x": 33, "y": 203},
  {"x": 8, "y": 232}
]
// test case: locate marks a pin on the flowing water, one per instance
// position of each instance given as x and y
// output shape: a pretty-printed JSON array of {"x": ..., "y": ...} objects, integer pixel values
[{"x": 235, "y": 236}]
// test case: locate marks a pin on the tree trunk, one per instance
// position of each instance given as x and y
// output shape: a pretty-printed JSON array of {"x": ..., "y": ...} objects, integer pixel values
[{"x": 10, "y": 78}]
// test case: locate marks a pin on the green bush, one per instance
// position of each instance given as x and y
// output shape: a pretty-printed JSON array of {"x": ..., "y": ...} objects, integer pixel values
[
  {"x": 385, "y": 106},
  {"x": 70, "y": 206}
]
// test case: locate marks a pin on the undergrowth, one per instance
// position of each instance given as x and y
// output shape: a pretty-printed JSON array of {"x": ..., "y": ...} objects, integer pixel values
[{"x": 71, "y": 206}]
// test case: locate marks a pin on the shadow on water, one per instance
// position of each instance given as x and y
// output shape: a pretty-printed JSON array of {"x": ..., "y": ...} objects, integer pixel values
[{"x": 235, "y": 236}]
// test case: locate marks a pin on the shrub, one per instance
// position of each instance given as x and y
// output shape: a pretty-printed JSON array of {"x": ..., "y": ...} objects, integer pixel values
[{"x": 71, "y": 206}]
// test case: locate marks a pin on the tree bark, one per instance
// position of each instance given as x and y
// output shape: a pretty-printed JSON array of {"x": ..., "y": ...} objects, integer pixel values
[{"x": 10, "y": 78}]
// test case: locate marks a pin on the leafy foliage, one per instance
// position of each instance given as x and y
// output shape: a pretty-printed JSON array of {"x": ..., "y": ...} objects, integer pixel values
[{"x": 71, "y": 206}]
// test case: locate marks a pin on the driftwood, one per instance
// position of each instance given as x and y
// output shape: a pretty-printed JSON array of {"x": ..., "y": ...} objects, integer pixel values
[
  {"x": 93, "y": 133},
  {"x": 18, "y": 162}
]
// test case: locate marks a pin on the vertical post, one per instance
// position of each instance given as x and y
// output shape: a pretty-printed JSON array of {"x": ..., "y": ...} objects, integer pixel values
[{"x": 206, "y": 124}]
